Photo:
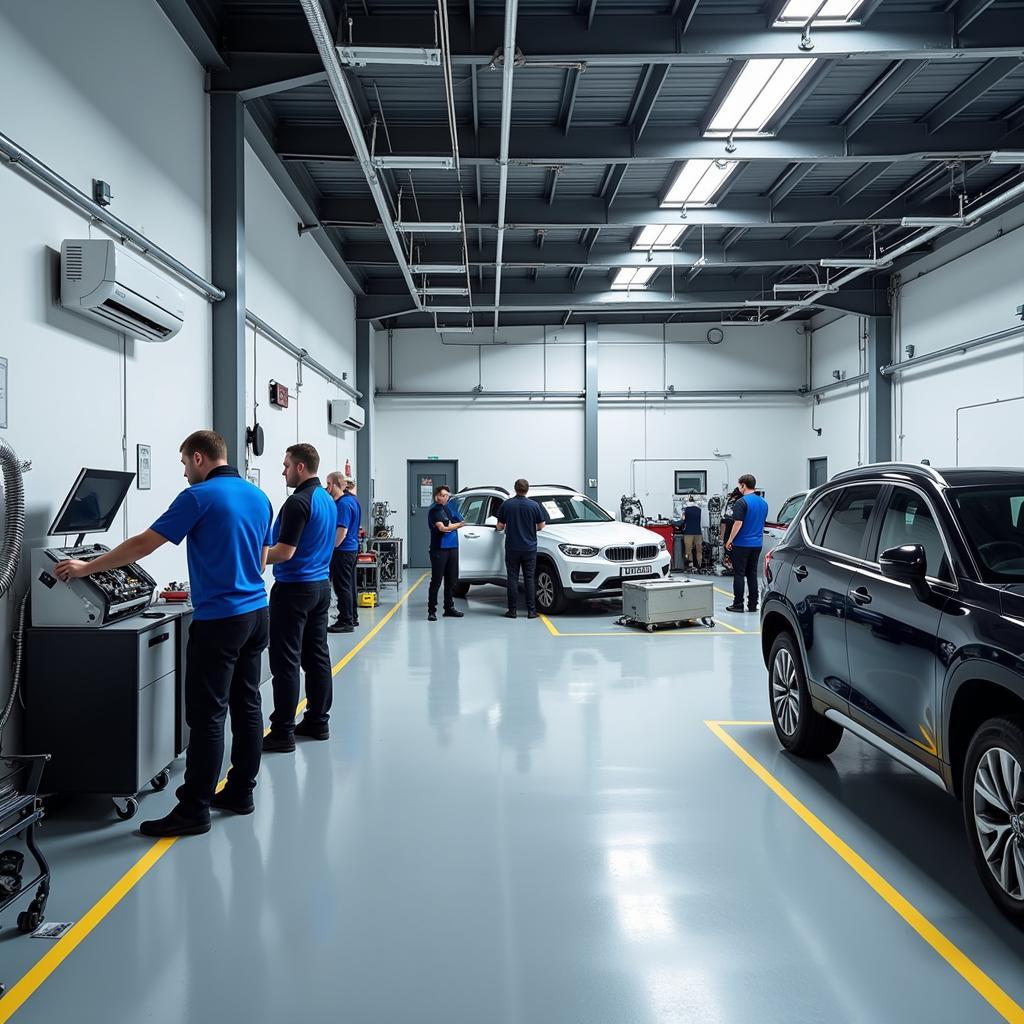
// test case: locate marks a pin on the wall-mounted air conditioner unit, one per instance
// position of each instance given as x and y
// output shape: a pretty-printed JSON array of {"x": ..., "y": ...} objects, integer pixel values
[
  {"x": 344, "y": 414},
  {"x": 105, "y": 282}
]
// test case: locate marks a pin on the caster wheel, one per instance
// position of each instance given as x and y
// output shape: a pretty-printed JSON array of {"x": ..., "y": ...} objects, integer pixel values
[
  {"x": 29, "y": 921},
  {"x": 130, "y": 809},
  {"x": 161, "y": 779},
  {"x": 650, "y": 627}
]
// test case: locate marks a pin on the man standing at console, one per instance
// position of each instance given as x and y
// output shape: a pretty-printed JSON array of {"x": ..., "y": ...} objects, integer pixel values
[{"x": 228, "y": 524}]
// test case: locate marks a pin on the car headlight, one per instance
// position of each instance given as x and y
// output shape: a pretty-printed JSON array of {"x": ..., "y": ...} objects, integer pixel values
[
  {"x": 662, "y": 546},
  {"x": 577, "y": 551}
]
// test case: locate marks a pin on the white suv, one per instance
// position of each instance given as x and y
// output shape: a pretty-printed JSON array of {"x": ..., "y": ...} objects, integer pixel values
[{"x": 582, "y": 552}]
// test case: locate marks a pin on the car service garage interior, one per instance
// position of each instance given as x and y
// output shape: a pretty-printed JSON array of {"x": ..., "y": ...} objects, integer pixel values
[{"x": 512, "y": 511}]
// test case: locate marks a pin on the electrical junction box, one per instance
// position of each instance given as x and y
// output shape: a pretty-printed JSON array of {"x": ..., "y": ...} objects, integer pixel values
[{"x": 278, "y": 395}]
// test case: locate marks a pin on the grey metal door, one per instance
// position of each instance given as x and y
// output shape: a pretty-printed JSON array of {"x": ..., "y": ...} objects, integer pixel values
[
  {"x": 424, "y": 477},
  {"x": 817, "y": 472}
]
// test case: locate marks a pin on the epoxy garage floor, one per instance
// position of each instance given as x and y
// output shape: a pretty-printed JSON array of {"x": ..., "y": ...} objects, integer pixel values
[{"x": 514, "y": 826}]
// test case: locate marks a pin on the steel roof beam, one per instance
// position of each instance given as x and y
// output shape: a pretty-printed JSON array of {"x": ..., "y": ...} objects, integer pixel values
[
  {"x": 857, "y": 183},
  {"x": 547, "y": 146},
  {"x": 256, "y": 75},
  {"x": 196, "y": 25},
  {"x": 789, "y": 180},
  {"x": 569, "y": 90},
  {"x": 992, "y": 73},
  {"x": 643, "y": 106},
  {"x": 891, "y": 81},
  {"x": 967, "y": 12}
]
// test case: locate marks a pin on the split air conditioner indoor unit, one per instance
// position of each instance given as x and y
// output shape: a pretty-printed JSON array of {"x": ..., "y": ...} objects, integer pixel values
[
  {"x": 105, "y": 282},
  {"x": 345, "y": 414}
]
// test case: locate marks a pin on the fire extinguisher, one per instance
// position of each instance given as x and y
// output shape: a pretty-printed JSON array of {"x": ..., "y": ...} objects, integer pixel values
[{"x": 348, "y": 468}]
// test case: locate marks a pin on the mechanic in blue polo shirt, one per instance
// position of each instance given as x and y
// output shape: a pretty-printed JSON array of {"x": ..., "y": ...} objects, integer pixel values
[
  {"x": 444, "y": 522},
  {"x": 300, "y": 602},
  {"x": 346, "y": 553},
  {"x": 228, "y": 524},
  {"x": 744, "y": 543}
]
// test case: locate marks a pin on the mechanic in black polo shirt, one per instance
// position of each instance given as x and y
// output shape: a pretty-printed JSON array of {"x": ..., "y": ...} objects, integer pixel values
[
  {"x": 444, "y": 522},
  {"x": 520, "y": 518},
  {"x": 300, "y": 602}
]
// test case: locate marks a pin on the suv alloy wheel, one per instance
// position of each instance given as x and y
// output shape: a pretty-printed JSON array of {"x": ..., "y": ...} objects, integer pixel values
[
  {"x": 551, "y": 599},
  {"x": 801, "y": 730}
]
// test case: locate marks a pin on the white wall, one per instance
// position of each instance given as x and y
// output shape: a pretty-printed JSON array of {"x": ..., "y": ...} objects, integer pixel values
[{"x": 497, "y": 441}]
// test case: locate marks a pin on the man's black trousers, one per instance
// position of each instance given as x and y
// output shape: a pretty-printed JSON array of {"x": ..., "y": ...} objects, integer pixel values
[
  {"x": 298, "y": 638},
  {"x": 343, "y": 580},
  {"x": 527, "y": 561},
  {"x": 444, "y": 566},
  {"x": 745, "y": 565},
  {"x": 223, "y": 666}
]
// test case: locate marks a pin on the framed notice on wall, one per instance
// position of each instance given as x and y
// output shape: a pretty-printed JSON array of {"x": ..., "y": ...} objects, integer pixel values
[{"x": 143, "y": 467}]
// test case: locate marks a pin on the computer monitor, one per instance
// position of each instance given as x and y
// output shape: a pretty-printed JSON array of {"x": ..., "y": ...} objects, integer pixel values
[{"x": 93, "y": 502}]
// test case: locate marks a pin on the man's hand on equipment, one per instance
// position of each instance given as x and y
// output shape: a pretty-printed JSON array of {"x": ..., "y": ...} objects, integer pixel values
[
  {"x": 728, "y": 547},
  {"x": 71, "y": 568}
]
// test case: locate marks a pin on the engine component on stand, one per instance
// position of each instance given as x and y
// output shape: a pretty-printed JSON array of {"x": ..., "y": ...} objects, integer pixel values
[
  {"x": 380, "y": 513},
  {"x": 631, "y": 510}
]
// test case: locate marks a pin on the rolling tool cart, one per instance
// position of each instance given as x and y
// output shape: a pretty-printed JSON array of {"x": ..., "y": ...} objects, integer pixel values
[
  {"x": 367, "y": 579},
  {"x": 657, "y": 603},
  {"x": 389, "y": 557},
  {"x": 20, "y": 811}
]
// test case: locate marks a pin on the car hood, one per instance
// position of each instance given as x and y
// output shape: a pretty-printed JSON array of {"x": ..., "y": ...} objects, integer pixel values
[{"x": 598, "y": 535}]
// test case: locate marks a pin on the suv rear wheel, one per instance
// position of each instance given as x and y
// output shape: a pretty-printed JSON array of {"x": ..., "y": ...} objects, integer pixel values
[
  {"x": 993, "y": 801},
  {"x": 551, "y": 599},
  {"x": 801, "y": 730}
]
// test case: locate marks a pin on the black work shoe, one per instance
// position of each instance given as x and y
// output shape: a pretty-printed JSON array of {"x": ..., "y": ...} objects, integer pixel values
[
  {"x": 314, "y": 730},
  {"x": 511, "y": 615},
  {"x": 533, "y": 615},
  {"x": 175, "y": 824},
  {"x": 431, "y": 616},
  {"x": 236, "y": 803},
  {"x": 734, "y": 608},
  {"x": 278, "y": 743},
  {"x": 452, "y": 613},
  {"x": 337, "y": 627},
  {"x": 754, "y": 609},
  {"x": 355, "y": 623}
]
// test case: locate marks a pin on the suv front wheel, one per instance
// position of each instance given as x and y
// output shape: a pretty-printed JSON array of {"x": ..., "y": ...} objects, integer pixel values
[
  {"x": 801, "y": 730},
  {"x": 993, "y": 801},
  {"x": 551, "y": 599}
]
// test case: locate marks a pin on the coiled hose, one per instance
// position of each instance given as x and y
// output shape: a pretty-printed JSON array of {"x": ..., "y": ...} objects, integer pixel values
[{"x": 10, "y": 554}]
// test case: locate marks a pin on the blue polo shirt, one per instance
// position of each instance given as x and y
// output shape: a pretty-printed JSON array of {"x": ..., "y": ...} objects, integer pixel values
[
  {"x": 308, "y": 522},
  {"x": 446, "y": 514},
  {"x": 350, "y": 516},
  {"x": 228, "y": 524},
  {"x": 752, "y": 509}
]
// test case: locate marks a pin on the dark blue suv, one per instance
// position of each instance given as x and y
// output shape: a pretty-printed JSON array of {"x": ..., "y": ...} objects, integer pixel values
[{"x": 894, "y": 608}]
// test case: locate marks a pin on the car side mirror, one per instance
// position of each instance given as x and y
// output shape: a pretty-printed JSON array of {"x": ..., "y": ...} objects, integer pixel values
[
  {"x": 908, "y": 564},
  {"x": 491, "y": 521}
]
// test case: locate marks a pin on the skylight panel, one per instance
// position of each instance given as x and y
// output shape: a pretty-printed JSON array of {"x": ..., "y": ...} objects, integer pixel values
[
  {"x": 632, "y": 277},
  {"x": 698, "y": 182},
  {"x": 758, "y": 92},
  {"x": 834, "y": 13},
  {"x": 659, "y": 236}
]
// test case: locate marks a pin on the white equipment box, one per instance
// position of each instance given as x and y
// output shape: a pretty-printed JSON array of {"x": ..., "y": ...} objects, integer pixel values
[{"x": 667, "y": 603}]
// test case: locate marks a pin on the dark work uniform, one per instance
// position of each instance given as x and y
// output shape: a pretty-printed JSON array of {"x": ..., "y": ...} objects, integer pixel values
[
  {"x": 343, "y": 561},
  {"x": 300, "y": 602},
  {"x": 228, "y": 524},
  {"x": 444, "y": 556},
  {"x": 752, "y": 511},
  {"x": 521, "y": 516}
]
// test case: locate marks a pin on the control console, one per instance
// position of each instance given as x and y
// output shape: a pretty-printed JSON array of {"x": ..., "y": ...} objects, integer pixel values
[{"x": 92, "y": 600}]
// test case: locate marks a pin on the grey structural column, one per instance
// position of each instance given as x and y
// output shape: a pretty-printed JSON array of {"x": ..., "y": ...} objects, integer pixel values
[
  {"x": 364, "y": 438},
  {"x": 227, "y": 249},
  {"x": 590, "y": 336},
  {"x": 879, "y": 389}
]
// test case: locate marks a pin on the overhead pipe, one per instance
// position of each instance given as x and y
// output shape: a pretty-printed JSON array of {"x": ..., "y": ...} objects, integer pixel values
[
  {"x": 507, "y": 67},
  {"x": 941, "y": 353},
  {"x": 826, "y": 388},
  {"x": 398, "y": 393},
  {"x": 346, "y": 107},
  {"x": 50, "y": 179},
  {"x": 301, "y": 354}
]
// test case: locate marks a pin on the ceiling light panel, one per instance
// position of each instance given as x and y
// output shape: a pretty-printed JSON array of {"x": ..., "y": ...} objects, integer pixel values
[
  {"x": 834, "y": 13},
  {"x": 698, "y": 182},
  {"x": 629, "y": 278},
  {"x": 659, "y": 236},
  {"x": 758, "y": 92}
]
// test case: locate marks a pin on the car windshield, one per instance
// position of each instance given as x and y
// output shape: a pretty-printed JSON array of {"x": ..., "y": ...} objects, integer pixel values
[
  {"x": 571, "y": 508},
  {"x": 993, "y": 520},
  {"x": 790, "y": 509}
]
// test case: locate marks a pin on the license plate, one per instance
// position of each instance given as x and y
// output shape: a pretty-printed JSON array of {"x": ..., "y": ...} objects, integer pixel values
[{"x": 636, "y": 570}]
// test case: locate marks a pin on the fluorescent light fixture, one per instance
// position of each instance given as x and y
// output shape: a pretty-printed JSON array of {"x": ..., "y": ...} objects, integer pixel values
[
  {"x": 1006, "y": 156},
  {"x": 659, "y": 236},
  {"x": 932, "y": 222},
  {"x": 756, "y": 95},
  {"x": 698, "y": 182},
  {"x": 834, "y": 13},
  {"x": 427, "y": 227},
  {"x": 854, "y": 264},
  {"x": 360, "y": 56},
  {"x": 830, "y": 288},
  {"x": 453, "y": 330},
  {"x": 776, "y": 303},
  {"x": 414, "y": 163},
  {"x": 444, "y": 291},
  {"x": 437, "y": 268},
  {"x": 632, "y": 277}
]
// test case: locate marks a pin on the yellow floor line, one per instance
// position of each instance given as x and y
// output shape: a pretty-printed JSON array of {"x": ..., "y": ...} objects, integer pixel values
[
  {"x": 64, "y": 946},
  {"x": 999, "y": 1000},
  {"x": 735, "y": 629},
  {"x": 551, "y": 626},
  {"x": 724, "y": 593}
]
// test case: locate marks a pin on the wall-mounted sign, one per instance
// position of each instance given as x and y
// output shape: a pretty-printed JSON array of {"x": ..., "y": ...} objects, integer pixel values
[{"x": 143, "y": 467}]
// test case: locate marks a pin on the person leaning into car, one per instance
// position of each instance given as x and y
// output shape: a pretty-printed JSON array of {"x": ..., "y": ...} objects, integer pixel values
[
  {"x": 520, "y": 518},
  {"x": 444, "y": 522}
]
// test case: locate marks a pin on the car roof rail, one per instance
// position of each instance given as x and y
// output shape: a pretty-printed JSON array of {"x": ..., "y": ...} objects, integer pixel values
[
  {"x": 918, "y": 467},
  {"x": 565, "y": 487},
  {"x": 482, "y": 487}
]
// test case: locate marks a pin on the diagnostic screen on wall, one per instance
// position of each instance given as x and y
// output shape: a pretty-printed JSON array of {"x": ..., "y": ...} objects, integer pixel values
[
  {"x": 93, "y": 502},
  {"x": 691, "y": 481}
]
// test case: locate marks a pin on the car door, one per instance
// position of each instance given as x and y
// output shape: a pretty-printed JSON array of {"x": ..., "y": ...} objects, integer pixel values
[
  {"x": 893, "y": 637},
  {"x": 472, "y": 548},
  {"x": 837, "y": 526}
]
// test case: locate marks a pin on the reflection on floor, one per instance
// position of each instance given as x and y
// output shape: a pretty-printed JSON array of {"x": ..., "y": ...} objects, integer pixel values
[{"x": 511, "y": 826}]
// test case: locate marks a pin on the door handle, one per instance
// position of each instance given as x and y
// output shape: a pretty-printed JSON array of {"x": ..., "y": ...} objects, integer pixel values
[
  {"x": 861, "y": 596},
  {"x": 801, "y": 572},
  {"x": 471, "y": 535}
]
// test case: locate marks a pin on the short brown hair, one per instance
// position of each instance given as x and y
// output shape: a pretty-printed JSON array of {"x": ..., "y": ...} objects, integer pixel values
[
  {"x": 306, "y": 454},
  {"x": 440, "y": 488},
  {"x": 207, "y": 443},
  {"x": 522, "y": 486},
  {"x": 748, "y": 481}
]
